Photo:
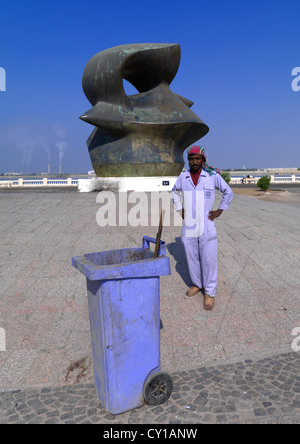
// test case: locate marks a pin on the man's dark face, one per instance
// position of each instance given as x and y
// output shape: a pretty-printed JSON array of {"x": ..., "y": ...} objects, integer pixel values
[{"x": 196, "y": 162}]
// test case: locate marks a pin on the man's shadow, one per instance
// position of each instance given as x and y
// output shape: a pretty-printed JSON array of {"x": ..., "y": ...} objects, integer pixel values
[{"x": 176, "y": 250}]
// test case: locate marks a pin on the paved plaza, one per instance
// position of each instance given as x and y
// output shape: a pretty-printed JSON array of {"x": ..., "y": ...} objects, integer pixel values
[{"x": 232, "y": 365}]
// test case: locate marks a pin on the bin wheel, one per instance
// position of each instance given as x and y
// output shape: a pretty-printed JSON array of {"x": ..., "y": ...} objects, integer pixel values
[{"x": 157, "y": 388}]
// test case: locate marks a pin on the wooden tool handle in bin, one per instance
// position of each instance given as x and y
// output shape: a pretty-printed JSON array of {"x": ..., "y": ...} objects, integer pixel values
[{"x": 158, "y": 236}]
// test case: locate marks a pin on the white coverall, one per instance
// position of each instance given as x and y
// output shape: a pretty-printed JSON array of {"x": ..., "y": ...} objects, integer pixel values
[{"x": 199, "y": 235}]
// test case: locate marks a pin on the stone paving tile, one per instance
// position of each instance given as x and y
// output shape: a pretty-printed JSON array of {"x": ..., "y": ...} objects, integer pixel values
[
  {"x": 265, "y": 390},
  {"x": 43, "y": 305}
]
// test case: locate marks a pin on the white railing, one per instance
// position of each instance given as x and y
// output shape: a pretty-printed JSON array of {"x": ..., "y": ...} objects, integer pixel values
[
  {"x": 69, "y": 182},
  {"x": 45, "y": 182},
  {"x": 274, "y": 179}
]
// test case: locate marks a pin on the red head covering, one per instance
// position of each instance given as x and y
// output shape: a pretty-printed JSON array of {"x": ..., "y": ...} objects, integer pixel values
[{"x": 195, "y": 149}]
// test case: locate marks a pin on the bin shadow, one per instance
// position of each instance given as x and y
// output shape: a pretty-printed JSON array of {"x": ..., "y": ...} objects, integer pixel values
[{"x": 176, "y": 250}]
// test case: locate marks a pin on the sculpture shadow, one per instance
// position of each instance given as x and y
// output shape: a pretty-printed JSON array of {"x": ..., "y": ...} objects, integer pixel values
[{"x": 176, "y": 250}]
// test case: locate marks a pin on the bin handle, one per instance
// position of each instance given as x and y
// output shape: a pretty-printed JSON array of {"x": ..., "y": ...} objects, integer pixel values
[{"x": 162, "y": 245}]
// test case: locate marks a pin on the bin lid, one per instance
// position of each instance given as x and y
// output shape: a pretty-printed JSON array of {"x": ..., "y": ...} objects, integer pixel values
[{"x": 121, "y": 264}]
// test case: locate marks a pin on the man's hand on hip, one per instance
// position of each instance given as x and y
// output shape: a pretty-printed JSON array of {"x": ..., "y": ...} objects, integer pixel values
[{"x": 214, "y": 214}]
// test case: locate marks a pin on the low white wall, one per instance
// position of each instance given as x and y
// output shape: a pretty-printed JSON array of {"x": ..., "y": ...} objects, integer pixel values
[{"x": 146, "y": 184}]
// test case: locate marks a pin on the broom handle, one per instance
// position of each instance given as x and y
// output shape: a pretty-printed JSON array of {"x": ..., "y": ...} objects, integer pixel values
[{"x": 158, "y": 236}]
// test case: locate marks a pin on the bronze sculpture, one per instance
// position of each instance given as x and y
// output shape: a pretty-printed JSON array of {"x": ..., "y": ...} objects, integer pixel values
[{"x": 143, "y": 134}]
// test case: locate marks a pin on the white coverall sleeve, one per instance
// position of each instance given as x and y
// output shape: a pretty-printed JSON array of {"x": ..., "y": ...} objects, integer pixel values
[
  {"x": 225, "y": 190},
  {"x": 177, "y": 195}
]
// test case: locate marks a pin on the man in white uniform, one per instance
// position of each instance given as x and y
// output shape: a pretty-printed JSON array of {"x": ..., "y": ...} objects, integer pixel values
[{"x": 193, "y": 195}]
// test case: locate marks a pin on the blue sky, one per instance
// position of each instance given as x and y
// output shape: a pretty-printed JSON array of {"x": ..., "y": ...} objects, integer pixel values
[{"x": 236, "y": 63}]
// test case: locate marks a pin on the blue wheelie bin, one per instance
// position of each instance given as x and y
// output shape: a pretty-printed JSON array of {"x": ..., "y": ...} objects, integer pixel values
[{"x": 124, "y": 306}]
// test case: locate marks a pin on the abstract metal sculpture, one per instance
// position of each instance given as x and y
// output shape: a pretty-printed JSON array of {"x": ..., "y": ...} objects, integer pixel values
[{"x": 143, "y": 134}]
